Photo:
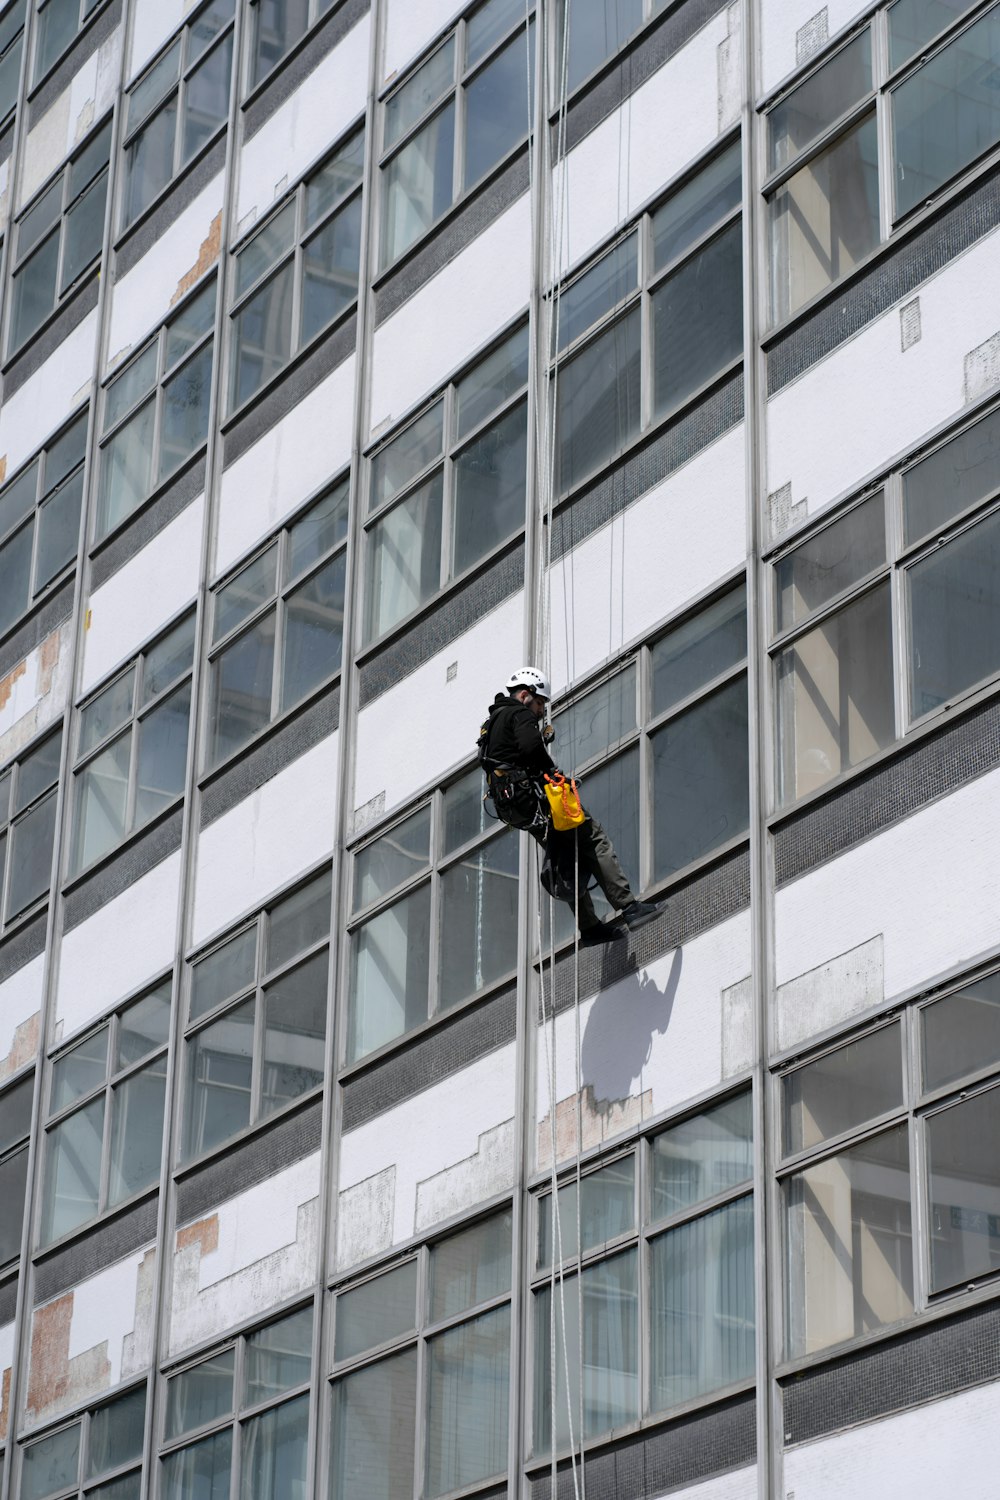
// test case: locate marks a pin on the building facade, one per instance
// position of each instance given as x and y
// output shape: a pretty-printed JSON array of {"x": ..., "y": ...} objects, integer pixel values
[{"x": 355, "y": 352}]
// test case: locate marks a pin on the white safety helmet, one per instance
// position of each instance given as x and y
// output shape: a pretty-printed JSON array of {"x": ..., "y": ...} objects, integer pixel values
[{"x": 530, "y": 678}]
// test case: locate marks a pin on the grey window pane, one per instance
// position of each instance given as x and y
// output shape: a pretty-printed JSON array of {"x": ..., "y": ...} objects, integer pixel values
[
  {"x": 84, "y": 232},
  {"x": 467, "y": 1402},
  {"x": 241, "y": 689},
  {"x": 294, "y": 1033},
  {"x": 373, "y": 1429},
  {"x": 262, "y": 335},
  {"x": 219, "y": 1073},
  {"x": 330, "y": 270},
  {"x": 115, "y": 1432},
  {"x": 149, "y": 162},
  {"x": 10, "y": 68},
  {"x": 955, "y": 476},
  {"x": 694, "y": 208},
  {"x": 90, "y": 162},
  {"x": 72, "y": 1184},
  {"x": 34, "y": 291},
  {"x": 378, "y": 1310},
  {"x": 37, "y": 771},
  {"x": 184, "y": 415},
  {"x": 31, "y": 856},
  {"x": 57, "y": 26},
  {"x": 58, "y": 530},
  {"x": 490, "y": 484},
  {"x": 279, "y": 1357},
  {"x": 137, "y": 1131},
  {"x": 154, "y": 87},
  {"x": 961, "y": 1033},
  {"x": 224, "y": 973},
  {"x": 278, "y": 24},
  {"x": 168, "y": 659},
  {"x": 492, "y": 381},
  {"x": 314, "y": 629},
  {"x": 51, "y": 1464},
  {"x": 708, "y": 1154},
  {"x": 65, "y": 452},
  {"x": 702, "y": 1306},
  {"x": 107, "y": 712},
  {"x": 850, "y": 1258},
  {"x": 417, "y": 185},
  {"x": 162, "y": 756},
  {"x": 497, "y": 113},
  {"x": 842, "y": 1090},
  {"x": 100, "y": 800},
  {"x": 195, "y": 319},
  {"x": 470, "y": 1267},
  {"x": 144, "y": 1026},
  {"x": 596, "y": 31},
  {"x": 200, "y": 1472},
  {"x": 464, "y": 812},
  {"x": 15, "y": 1111},
  {"x": 126, "y": 470},
  {"x": 266, "y": 248},
  {"x": 610, "y": 1353},
  {"x": 252, "y": 586},
  {"x": 598, "y": 721},
  {"x": 693, "y": 654},
  {"x": 946, "y": 114},
  {"x": 13, "y": 1183},
  {"x": 338, "y": 177},
  {"x": 389, "y": 977},
  {"x": 40, "y": 218},
  {"x": 12, "y": 23},
  {"x": 298, "y": 921},
  {"x": 322, "y": 527},
  {"x": 825, "y": 218},
  {"x": 598, "y": 290},
  {"x": 15, "y": 575},
  {"x": 964, "y": 1187},
  {"x": 487, "y": 25},
  {"x": 275, "y": 1453},
  {"x": 701, "y": 779},
  {"x": 829, "y": 562},
  {"x": 135, "y": 381},
  {"x": 954, "y": 605},
  {"x": 129, "y": 1487},
  {"x": 403, "y": 459},
  {"x": 18, "y": 498},
  {"x": 207, "y": 101},
  {"x": 835, "y": 695},
  {"x": 698, "y": 319},
  {"x": 81, "y": 1069},
  {"x": 394, "y": 857},
  {"x": 607, "y": 1209},
  {"x": 5, "y": 781},
  {"x": 914, "y": 23},
  {"x": 812, "y": 107},
  {"x": 429, "y": 83},
  {"x": 598, "y": 401},
  {"x": 478, "y": 920},
  {"x": 405, "y": 558},
  {"x": 207, "y": 26},
  {"x": 201, "y": 1394}
]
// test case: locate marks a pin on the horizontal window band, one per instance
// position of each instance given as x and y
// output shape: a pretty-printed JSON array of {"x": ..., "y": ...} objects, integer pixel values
[
  {"x": 49, "y": 338},
  {"x": 99, "y": 1246},
  {"x": 139, "y": 237},
  {"x": 242, "y": 1164},
  {"x": 301, "y": 60},
  {"x": 122, "y": 868}
]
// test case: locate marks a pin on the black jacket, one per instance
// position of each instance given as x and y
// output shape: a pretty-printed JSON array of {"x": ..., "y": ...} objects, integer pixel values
[{"x": 515, "y": 737}]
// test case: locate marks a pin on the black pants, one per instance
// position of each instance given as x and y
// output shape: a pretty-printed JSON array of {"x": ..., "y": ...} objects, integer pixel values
[{"x": 598, "y": 858}]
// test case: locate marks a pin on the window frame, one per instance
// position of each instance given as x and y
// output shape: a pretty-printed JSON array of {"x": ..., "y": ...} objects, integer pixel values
[
  {"x": 317, "y": 10},
  {"x": 18, "y": 1145},
  {"x": 12, "y": 820},
  {"x": 87, "y": 12},
  {"x": 17, "y": 40},
  {"x": 83, "y": 1419},
  {"x": 651, "y": 11}
]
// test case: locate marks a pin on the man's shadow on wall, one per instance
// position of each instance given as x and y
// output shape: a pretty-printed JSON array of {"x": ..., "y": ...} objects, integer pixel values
[{"x": 618, "y": 1037}]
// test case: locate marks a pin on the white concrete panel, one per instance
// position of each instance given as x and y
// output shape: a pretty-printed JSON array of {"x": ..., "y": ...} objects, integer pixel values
[
  {"x": 20, "y": 1003},
  {"x": 648, "y": 1043},
  {"x": 442, "y": 718},
  {"x": 266, "y": 840},
  {"x": 876, "y": 399},
  {"x": 656, "y": 132},
  {"x": 928, "y": 885},
  {"x": 665, "y": 549},
  {"x": 260, "y": 1221},
  {"x": 319, "y": 111},
  {"x": 129, "y": 940},
  {"x": 741, "y": 1484},
  {"x": 68, "y": 119},
  {"x": 467, "y": 301},
  {"x": 443, "y": 1136},
  {"x": 782, "y": 20},
  {"x": 141, "y": 596},
  {"x": 409, "y": 28},
  {"x": 153, "y": 21},
  {"x": 33, "y": 412},
  {"x": 104, "y": 1308},
  {"x": 286, "y": 465},
  {"x": 185, "y": 250},
  {"x": 34, "y": 692},
  {"x": 942, "y": 1448}
]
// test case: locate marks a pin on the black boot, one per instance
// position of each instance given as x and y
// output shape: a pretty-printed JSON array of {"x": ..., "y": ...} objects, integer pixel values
[{"x": 641, "y": 912}]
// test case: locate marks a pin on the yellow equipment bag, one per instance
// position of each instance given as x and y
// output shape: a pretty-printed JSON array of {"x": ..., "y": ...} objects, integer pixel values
[{"x": 564, "y": 804}]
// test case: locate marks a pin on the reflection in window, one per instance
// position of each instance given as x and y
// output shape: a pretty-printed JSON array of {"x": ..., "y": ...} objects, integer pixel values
[
  {"x": 105, "y": 1444},
  {"x": 15, "y": 1127},
  {"x": 27, "y": 826}
]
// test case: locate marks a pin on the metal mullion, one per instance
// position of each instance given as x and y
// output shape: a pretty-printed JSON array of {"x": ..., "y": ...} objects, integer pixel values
[
  {"x": 434, "y": 946},
  {"x": 423, "y": 1303},
  {"x": 179, "y": 121},
  {"x": 647, "y": 811},
  {"x": 257, "y": 1060},
  {"x": 279, "y": 625},
  {"x": 780, "y": 175},
  {"x": 447, "y": 486},
  {"x": 102, "y": 1191},
  {"x": 298, "y": 255}
]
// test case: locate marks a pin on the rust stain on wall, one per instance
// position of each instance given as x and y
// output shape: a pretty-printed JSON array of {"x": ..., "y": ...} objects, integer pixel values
[
  {"x": 4, "y": 1405},
  {"x": 48, "y": 660},
  {"x": 600, "y": 1123},
  {"x": 55, "y": 1381},
  {"x": 7, "y": 683},
  {"x": 207, "y": 255},
  {"x": 24, "y": 1047},
  {"x": 204, "y": 1232}
]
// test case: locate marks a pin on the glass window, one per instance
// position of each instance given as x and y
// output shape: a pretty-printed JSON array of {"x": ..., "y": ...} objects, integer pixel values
[
  {"x": 279, "y": 626},
  {"x": 15, "y": 1128},
  {"x": 813, "y": 106},
  {"x": 953, "y": 597},
  {"x": 958, "y": 475},
  {"x": 298, "y": 273},
  {"x": 57, "y": 26},
  {"x": 596, "y": 31},
  {"x": 418, "y": 879},
  {"x": 964, "y": 1190},
  {"x": 275, "y": 27},
  {"x": 104, "y": 1136},
  {"x": 830, "y": 562},
  {"x": 960, "y": 1034},
  {"x": 133, "y": 740},
  {"x": 842, "y": 1090},
  {"x": 914, "y": 23},
  {"x": 257, "y": 1055},
  {"x": 705, "y": 1155},
  {"x": 104, "y": 1441},
  {"x": 11, "y": 47},
  {"x": 27, "y": 827}
]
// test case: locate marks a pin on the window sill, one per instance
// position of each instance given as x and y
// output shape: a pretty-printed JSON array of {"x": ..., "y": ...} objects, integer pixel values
[
  {"x": 353, "y": 1070},
  {"x": 76, "y": 881},
  {"x": 183, "y": 1170},
  {"x": 43, "y": 1253},
  {"x": 299, "y": 358},
  {"x": 189, "y": 168},
  {"x": 99, "y": 544},
  {"x": 208, "y": 778}
]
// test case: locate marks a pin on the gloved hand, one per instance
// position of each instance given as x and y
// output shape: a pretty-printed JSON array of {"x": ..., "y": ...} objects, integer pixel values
[{"x": 548, "y": 734}]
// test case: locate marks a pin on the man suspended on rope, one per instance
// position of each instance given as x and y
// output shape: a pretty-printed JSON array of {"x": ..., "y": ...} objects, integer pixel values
[{"x": 514, "y": 758}]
